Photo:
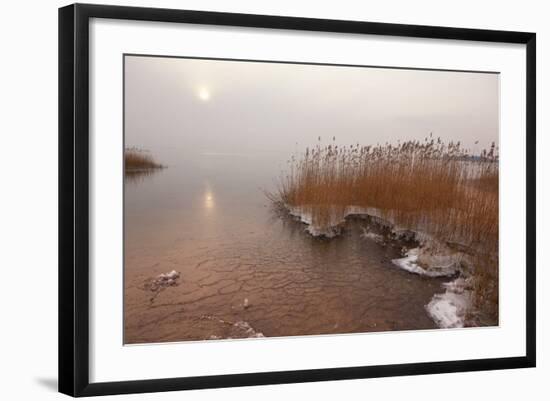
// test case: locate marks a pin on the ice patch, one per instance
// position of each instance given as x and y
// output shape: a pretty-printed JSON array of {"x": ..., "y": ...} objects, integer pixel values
[
  {"x": 449, "y": 309},
  {"x": 166, "y": 279},
  {"x": 168, "y": 276},
  {"x": 332, "y": 229},
  {"x": 457, "y": 286},
  {"x": 373, "y": 236},
  {"x": 336, "y": 218},
  {"x": 437, "y": 265},
  {"x": 162, "y": 281},
  {"x": 329, "y": 232},
  {"x": 247, "y": 329},
  {"x": 408, "y": 263},
  {"x": 239, "y": 329},
  {"x": 439, "y": 260}
]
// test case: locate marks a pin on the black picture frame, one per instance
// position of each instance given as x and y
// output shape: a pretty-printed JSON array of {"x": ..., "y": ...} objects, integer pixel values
[{"x": 74, "y": 201}]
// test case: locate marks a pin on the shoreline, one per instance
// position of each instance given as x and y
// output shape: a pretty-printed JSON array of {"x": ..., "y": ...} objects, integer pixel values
[
  {"x": 429, "y": 258},
  {"x": 143, "y": 169}
]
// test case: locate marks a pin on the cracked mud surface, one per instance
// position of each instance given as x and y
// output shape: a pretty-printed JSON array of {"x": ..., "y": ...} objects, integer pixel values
[{"x": 228, "y": 245}]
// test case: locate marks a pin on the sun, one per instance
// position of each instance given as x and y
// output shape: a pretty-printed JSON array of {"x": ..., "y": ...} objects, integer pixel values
[{"x": 204, "y": 94}]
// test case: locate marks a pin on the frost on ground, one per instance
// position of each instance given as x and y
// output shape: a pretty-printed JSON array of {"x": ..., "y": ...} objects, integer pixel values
[{"x": 449, "y": 309}]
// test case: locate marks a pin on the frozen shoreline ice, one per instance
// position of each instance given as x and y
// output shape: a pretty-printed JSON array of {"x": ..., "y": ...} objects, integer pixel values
[
  {"x": 437, "y": 265},
  {"x": 448, "y": 309}
]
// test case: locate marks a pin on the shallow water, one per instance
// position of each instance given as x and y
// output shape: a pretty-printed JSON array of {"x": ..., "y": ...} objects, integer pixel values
[{"x": 208, "y": 219}]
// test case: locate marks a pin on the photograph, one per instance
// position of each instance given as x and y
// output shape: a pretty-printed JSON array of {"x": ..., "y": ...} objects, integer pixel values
[{"x": 280, "y": 199}]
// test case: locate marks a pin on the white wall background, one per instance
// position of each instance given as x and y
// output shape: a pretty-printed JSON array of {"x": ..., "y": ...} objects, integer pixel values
[{"x": 28, "y": 198}]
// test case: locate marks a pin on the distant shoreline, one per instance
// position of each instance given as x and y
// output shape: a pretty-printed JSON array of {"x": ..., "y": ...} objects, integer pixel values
[{"x": 143, "y": 169}]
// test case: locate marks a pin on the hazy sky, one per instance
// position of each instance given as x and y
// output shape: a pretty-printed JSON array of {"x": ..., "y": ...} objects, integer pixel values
[{"x": 178, "y": 106}]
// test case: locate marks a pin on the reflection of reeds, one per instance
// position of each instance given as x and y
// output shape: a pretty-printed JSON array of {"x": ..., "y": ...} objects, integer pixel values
[
  {"x": 139, "y": 175},
  {"x": 425, "y": 185},
  {"x": 139, "y": 159}
]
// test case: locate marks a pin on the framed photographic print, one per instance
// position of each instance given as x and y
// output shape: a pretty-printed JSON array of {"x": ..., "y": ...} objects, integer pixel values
[{"x": 250, "y": 199}]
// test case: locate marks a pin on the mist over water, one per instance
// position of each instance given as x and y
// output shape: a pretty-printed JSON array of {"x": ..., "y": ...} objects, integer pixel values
[
  {"x": 270, "y": 110},
  {"x": 225, "y": 131}
]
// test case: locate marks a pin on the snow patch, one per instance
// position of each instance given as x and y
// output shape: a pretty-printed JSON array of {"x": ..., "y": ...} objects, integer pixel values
[
  {"x": 449, "y": 309},
  {"x": 436, "y": 265},
  {"x": 247, "y": 329}
]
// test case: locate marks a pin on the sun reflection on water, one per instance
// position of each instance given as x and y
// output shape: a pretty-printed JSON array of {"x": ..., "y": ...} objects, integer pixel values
[{"x": 209, "y": 200}]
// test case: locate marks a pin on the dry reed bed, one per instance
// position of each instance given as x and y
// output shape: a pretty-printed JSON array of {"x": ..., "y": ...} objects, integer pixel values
[
  {"x": 432, "y": 187},
  {"x": 139, "y": 159}
]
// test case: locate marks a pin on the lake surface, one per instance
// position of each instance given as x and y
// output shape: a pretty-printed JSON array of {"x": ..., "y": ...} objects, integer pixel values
[{"x": 247, "y": 270}]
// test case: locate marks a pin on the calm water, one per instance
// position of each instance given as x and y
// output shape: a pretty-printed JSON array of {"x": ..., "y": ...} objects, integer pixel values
[{"x": 208, "y": 219}]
